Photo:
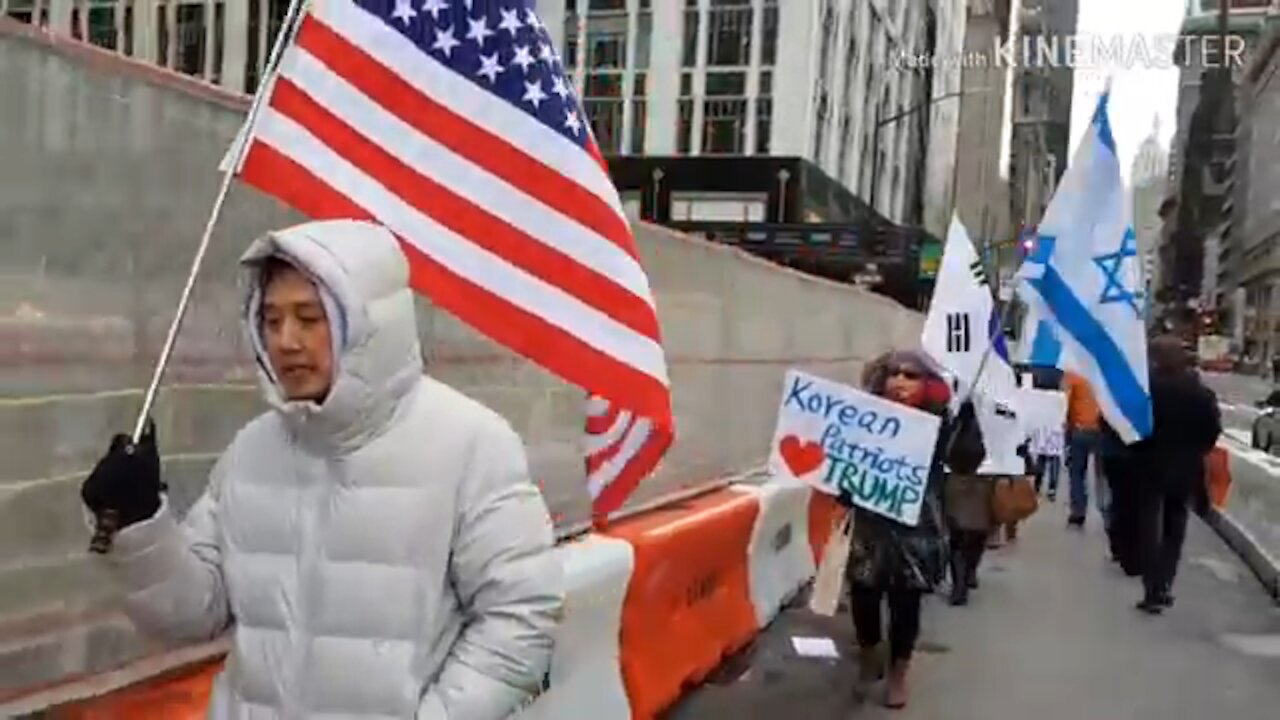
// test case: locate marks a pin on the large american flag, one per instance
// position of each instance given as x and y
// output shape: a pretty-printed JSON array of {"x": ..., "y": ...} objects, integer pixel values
[{"x": 453, "y": 123}]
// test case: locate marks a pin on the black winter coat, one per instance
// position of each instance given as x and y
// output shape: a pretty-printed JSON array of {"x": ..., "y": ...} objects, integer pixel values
[
  {"x": 885, "y": 553},
  {"x": 1187, "y": 425}
]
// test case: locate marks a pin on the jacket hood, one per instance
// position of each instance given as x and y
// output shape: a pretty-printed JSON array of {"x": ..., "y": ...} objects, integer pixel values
[
  {"x": 937, "y": 393},
  {"x": 363, "y": 278}
]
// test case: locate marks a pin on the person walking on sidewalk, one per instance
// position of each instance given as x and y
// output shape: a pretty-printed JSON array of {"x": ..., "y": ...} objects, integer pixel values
[
  {"x": 1120, "y": 467},
  {"x": 889, "y": 560},
  {"x": 1084, "y": 441},
  {"x": 374, "y": 541},
  {"x": 1047, "y": 467},
  {"x": 1187, "y": 423}
]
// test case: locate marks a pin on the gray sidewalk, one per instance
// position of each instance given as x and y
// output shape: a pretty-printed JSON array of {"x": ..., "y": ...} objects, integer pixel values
[{"x": 1052, "y": 635}]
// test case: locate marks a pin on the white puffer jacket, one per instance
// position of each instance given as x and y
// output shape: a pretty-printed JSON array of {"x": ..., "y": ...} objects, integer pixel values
[{"x": 384, "y": 555}]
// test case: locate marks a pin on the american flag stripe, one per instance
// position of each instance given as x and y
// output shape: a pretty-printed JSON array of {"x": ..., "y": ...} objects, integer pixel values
[
  {"x": 480, "y": 158},
  {"x": 620, "y": 445},
  {"x": 365, "y": 34},
  {"x": 589, "y": 352},
  {"x": 509, "y": 220},
  {"x": 420, "y": 176}
]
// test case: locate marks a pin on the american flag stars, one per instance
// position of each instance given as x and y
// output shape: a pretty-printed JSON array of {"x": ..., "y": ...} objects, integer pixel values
[{"x": 500, "y": 45}]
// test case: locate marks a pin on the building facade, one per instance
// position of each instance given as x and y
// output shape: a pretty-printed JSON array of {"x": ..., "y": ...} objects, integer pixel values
[
  {"x": 1041, "y": 102},
  {"x": 981, "y": 189},
  {"x": 1149, "y": 176},
  {"x": 833, "y": 81},
  {"x": 1256, "y": 209},
  {"x": 1201, "y": 165}
]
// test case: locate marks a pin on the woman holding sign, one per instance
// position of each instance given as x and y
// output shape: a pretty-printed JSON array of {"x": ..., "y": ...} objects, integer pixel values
[{"x": 889, "y": 560}]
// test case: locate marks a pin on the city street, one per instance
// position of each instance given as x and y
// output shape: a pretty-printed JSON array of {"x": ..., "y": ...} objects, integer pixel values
[
  {"x": 1237, "y": 395},
  {"x": 1051, "y": 634}
]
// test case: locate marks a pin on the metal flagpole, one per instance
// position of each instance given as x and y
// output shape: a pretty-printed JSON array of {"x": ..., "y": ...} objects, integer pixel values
[{"x": 108, "y": 522}]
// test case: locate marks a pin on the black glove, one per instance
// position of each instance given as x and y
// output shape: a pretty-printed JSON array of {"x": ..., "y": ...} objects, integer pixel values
[{"x": 126, "y": 479}]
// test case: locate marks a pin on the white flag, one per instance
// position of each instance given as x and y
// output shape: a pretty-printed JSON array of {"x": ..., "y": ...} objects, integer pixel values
[{"x": 962, "y": 322}]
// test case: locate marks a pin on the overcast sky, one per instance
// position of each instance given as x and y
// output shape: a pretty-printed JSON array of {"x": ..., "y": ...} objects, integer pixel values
[{"x": 1138, "y": 94}]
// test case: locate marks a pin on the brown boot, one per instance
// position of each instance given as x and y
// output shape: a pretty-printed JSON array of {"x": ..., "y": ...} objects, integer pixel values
[
  {"x": 871, "y": 665},
  {"x": 896, "y": 689}
]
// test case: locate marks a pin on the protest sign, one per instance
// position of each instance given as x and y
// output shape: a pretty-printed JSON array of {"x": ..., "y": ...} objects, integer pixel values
[
  {"x": 838, "y": 438},
  {"x": 1004, "y": 429},
  {"x": 1045, "y": 413}
]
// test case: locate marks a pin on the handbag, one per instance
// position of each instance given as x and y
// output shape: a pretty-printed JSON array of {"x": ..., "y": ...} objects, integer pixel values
[
  {"x": 1217, "y": 477},
  {"x": 1013, "y": 499},
  {"x": 968, "y": 502}
]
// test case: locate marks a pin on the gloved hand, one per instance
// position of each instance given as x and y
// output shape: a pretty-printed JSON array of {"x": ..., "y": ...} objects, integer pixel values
[{"x": 126, "y": 479}]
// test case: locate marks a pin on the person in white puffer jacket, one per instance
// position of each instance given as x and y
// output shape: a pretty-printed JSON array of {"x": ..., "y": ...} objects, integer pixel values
[{"x": 374, "y": 541}]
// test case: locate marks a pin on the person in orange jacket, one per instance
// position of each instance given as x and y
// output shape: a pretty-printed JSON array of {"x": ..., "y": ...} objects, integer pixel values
[{"x": 1084, "y": 441}]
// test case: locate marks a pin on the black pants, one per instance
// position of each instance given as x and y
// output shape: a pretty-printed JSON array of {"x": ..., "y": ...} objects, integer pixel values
[
  {"x": 1162, "y": 528},
  {"x": 1124, "y": 529},
  {"x": 967, "y": 548},
  {"x": 904, "y": 618}
]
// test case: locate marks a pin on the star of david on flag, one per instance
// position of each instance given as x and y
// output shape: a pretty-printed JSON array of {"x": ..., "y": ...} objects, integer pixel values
[
  {"x": 1082, "y": 278},
  {"x": 1113, "y": 266}
]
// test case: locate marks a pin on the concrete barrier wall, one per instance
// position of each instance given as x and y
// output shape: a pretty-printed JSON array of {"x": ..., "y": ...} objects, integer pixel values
[{"x": 108, "y": 176}]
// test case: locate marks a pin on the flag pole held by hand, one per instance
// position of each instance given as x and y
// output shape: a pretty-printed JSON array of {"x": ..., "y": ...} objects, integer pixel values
[{"x": 107, "y": 522}]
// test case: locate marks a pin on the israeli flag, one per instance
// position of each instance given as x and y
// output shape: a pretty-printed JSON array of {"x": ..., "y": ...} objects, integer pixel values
[
  {"x": 1038, "y": 344},
  {"x": 1084, "y": 276}
]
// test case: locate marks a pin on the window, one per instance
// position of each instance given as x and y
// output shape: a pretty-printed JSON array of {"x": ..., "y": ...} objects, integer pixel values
[
  {"x": 764, "y": 124},
  {"x": 607, "y": 49},
  {"x": 644, "y": 38},
  {"x": 607, "y": 40},
  {"x": 764, "y": 113},
  {"x": 128, "y": 29},
  {"x": 219, "y": 40},
  {"x": 720, "y": 84},
  {"x": 102, "y": 27},
  {"x": 769, "y": 38},
  {"x": 606, "y": 123},
  {"x": 684, "y": 129},
  {"x": 729, "y": 36},
  {"x": 691, "y": 38},
  {"x": 603, "y": 85},
  {"x": 188, "y": 36},
  {"x": 162, "y": 36},
  {"x": 571, "y": 46},
  {"x": 638, "y": 114},
  {"x": 603, "y": 104},
  {"x": 684, "y": 120},
  {"x": 724, "y": 126},
  {"x": 265, "y": 19}
]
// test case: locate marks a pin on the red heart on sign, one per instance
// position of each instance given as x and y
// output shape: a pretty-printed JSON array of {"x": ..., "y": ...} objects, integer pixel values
[{"x": 801, "y": 457}]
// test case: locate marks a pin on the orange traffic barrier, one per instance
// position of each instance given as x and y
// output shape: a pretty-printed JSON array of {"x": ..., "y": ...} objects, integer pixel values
[
  {"x": 824, "y": 510},
  {"x": 1217, "y": 477},
  {"x": 688, "y": 604},
  {"x": 182, "y": 694}
]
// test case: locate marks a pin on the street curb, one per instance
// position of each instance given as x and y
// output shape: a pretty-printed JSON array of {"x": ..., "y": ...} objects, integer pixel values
[{"x": 1263, "y": 565}]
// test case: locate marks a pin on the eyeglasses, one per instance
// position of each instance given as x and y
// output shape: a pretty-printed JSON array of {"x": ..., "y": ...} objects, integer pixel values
[{"x": 907, "y": 373}]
